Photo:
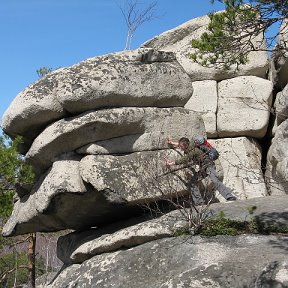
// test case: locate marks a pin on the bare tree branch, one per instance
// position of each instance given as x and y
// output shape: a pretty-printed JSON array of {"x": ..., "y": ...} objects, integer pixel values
[{"x": 135, "y": 17}]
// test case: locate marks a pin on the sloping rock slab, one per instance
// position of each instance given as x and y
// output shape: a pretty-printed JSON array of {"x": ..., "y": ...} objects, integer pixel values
[
  {"x": 72, "y": 133},
  {"x": 113, "y": 80},
  {"x": 178, "y": 40},
  {"x": 77, "y": 247},
  {"x": 80, "y": 246},
  {"x": 222, "y": 261}
]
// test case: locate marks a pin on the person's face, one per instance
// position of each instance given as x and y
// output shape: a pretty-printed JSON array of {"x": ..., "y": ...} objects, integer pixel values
[{"x": 183, "y": 146}]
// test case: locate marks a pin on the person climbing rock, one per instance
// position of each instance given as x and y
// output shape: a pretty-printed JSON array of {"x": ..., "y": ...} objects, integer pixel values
[{"x": 195, "y": 154}]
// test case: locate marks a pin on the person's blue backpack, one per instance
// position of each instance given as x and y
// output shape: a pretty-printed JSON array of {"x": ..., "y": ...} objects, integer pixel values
[{"x": 206, "y": 147}]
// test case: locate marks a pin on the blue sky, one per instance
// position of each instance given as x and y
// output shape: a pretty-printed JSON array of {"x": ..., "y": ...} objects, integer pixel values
[{"x": 60, "y": 33}]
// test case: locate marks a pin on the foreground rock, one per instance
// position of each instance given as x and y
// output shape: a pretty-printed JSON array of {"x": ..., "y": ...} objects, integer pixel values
[
  {"x": 77, "y": 247},
  {"x": 222, "y": 261}
]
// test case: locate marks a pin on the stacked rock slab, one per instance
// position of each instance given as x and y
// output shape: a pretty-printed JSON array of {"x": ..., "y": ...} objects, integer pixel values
[
  {"x": 113, "y": 80},
  {"x": 96, "y": 134},
  {"x": 233, "y": 103},
  {"x": 132, "y": 139},
  {"x": 178, "y": 40}
]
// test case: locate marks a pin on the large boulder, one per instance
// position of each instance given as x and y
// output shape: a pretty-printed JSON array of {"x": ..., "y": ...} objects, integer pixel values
[
  {"x": 277, "y": 162},
  {"x": 92, "y": 192},
  {"x": 113, "y": 80},
  {"x": 281, "y": 106},
  {"x": 222, "y": 261},
  {"x": 178, "y": 40},
  {"x": 205, "y": 101},
  {"x": 78, "y": 246},
  {"x": 133, "y": 178},
  {"x": 244, "y": 106},
  {"x": 248, "y": 97},
  {"x": 69, "y": 134},
  {"x": 241, "y": 158}
]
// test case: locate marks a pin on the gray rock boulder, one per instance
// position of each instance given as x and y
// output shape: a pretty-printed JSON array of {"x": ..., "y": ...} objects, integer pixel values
[
  {"x": 113, "y": 80},
  {"x": 240, "y": 158},
  {"x": 204, "y": 100},
  {"x": 244, "y": 106},
  {"x": 281, "y": 105},
  {"x": 69, "y": 134},
  {"x": 277, "y": 162},
  {"x": 76, "y": 194},
  {"x": 178, "y": 40},
  {"x": 34, "y": 108},
  {"x": 222, "y": 261},
  {"x": 79, "y": 246},
  {"x": 133, "y": 178},
  {"x": 33, "y": 212}
]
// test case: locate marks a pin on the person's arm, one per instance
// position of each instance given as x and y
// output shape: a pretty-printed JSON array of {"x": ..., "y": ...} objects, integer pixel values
[{"x": 171, "y": 143}]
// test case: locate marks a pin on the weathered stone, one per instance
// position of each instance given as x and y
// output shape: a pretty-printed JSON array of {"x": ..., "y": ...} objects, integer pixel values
[
  {"x": 281, "y": 105},
  {"x": 149, "y": 55},
  {"x": 276, "y": 175},
  {"x": 205, "y": 101},
  {"x": 134, "y": 178},
  {"x": 129, "y": 143},
  {"x": 113, "y": 80},
  {"x": 79, "y": 246},
  {"x": 244, "y": 106},
  {"x": 117, "y": 80},
  {"x": 34, "y": 108},
  {"x": 118, "y": 185},
  {"x": 185, "y": 262},
  {"x": 72, "y": 133},
  {"x": 35, "y": 212},
  {"x": 241, "y": 161},
  {"x": 178, "y": 40}
]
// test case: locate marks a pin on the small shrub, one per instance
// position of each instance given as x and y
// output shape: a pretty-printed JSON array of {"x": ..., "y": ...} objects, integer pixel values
[
  {"x": 182, "y": 232},
  {"x": 223, "y": 226}
]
